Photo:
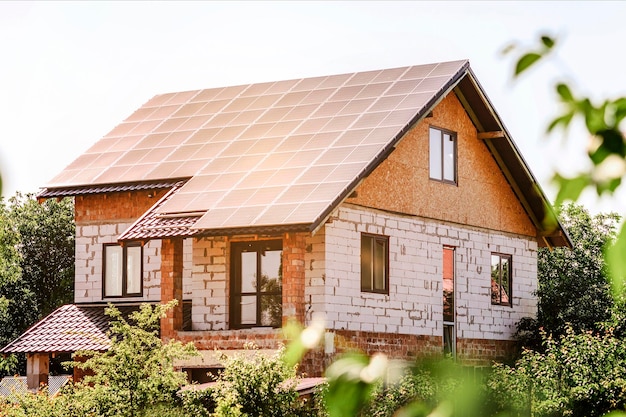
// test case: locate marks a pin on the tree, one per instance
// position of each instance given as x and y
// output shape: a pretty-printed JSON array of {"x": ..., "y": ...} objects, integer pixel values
[
  {"x": 137, "y": 372},
  {"x": 17, "y": 301},
  {"x": 46, "y": 234},
  {"x": 574, "y": 287}
]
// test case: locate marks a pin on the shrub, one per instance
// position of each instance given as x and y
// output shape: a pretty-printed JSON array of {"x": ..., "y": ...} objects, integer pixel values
[
  {"x": 581, "y": 374},
  {"x": 256, "y": 385}
]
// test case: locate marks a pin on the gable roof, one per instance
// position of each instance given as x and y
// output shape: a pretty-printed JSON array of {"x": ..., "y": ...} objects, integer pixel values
[{"x": 280, "y": 156}]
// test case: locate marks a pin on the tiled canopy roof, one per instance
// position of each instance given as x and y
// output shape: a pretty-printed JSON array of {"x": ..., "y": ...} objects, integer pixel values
[{"x": 68, "y": 329}]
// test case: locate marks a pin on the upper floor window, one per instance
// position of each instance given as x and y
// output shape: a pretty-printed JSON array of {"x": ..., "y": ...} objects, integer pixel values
[
  {"x": 123, "y": 271},
  {"x": 442, "y": 153},
  {"x": 501, "y": 279},
  {"x": 256, "y": 284},
  {"x": 374, "y": 263}
]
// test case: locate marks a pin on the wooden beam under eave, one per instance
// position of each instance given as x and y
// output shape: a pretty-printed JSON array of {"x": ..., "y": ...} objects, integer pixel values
[{"x": 498, "y": 134}]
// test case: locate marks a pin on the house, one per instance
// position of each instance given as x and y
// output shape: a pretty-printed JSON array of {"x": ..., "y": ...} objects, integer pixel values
[{"x": 392, "y": 202}]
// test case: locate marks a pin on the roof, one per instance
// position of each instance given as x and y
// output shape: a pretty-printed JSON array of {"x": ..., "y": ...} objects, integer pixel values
[
  {"x": 280, "y": 156},
  {"x": 67, "y": 329},
  {"x": 75, "y": 327}
]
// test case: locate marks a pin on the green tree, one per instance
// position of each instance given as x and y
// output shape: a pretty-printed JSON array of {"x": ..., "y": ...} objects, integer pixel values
[
  {"x": 137, "y": 372},
  {"x": 574, "y": 287},
  {"x": 17, "y": 301},
  {"x": 46, "y": 234}
]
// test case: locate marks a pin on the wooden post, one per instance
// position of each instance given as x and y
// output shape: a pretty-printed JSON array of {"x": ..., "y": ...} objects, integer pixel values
[{"x": 37, "y": 370}]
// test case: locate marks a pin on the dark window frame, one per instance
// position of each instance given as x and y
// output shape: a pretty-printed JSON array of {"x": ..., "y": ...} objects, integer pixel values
[
  {"x": 495, "y": 300},
  {"x": 235, "y": 293},
  {"x": 453, "y": 135},
  {"x": 124, "y": 248},
  {"x": 371, "y": 288}
]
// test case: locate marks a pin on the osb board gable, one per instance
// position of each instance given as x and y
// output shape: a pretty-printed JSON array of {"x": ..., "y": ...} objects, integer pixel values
[
  {"x": 482, "y": 197},
  {"x": 114, "y": 207}
]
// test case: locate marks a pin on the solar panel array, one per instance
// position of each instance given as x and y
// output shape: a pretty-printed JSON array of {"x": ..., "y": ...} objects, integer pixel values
[{"x": 261, "y": 154}]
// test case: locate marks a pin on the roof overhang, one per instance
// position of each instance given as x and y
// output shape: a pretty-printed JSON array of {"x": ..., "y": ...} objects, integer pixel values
[{"x": 491, "y": 130}]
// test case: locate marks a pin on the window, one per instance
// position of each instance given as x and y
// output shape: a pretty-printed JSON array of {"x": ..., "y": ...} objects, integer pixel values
[
  {"x": 449, "y": 311},
  {"x": 123, "y": 271},
  {"x": 501, "y": 279},
  {"x": 374, "y": 263},
  {"x": 256, "y": 284},
  {"x": 442, "y": 151}
]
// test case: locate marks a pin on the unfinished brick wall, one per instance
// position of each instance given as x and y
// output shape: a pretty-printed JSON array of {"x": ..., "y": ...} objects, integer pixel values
[
  {"x": 97, "y": 224},
  {"x": 414, "y": 303},
  {"x": 172, "y": 286},
  {"x": 294, "y": 249}
]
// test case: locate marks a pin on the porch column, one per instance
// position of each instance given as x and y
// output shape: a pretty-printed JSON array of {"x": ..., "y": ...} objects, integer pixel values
[
  {"x": 37, "y": 370},
  {"x": 172, "y": 286},
  {"x": 294, "y": 248}
]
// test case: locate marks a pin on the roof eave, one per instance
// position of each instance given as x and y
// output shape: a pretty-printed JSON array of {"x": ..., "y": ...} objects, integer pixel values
[{"x": 550, "y": 232}]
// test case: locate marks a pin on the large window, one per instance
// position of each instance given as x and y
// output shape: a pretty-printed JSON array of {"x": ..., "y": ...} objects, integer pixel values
[
  {"x": 256, "y": 284},
  {"x": 442, "y": 154},
  {"x": 122, "y": 271},
  {"x": 374, "y": 263},
  {"x": 501, "y": 279}
]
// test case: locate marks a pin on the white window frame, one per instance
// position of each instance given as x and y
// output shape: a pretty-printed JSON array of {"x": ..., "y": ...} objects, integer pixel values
[{"x": 119, "y": 264}]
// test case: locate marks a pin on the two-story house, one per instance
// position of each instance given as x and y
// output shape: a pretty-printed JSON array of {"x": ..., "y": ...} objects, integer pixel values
[{"x": 392, "y": 202}]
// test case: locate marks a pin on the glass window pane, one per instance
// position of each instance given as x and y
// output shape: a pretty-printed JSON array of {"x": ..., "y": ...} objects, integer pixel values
[
  {"x": 113, "y": 271},
  {"x": 448, "y": 340},
  {"x": 435, "y": 154},
  {"x": 495, "y": 279},
  {"x": 366, "y": 263},
  {"x": 133, "y": 270},
  {"x": 248, "y": 272},
  {"x": 271, "y": 310},
  {"x": 271, "y": 271},
  {"x": 505, "y": 284},
  {"x": 248, "y": 310},
  {"x": 448, "y": 284},
  {"x": 380, "y": 263},
  {"x": 449, "y": 164}
]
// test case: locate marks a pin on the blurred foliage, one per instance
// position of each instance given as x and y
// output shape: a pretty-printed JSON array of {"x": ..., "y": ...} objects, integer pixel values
[{"x": 606, "y": 150}]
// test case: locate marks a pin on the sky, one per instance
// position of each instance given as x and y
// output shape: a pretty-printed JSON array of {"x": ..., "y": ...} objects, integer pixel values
[{"x": 71, "y": 71}]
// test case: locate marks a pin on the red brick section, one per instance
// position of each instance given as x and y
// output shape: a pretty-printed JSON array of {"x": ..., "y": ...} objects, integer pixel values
[
  {"x": 483, "y": 352},
  {"x": 172, "y": 286},
  {"x": 294, "y": 248},
  {"x": 114, "y": 207}
]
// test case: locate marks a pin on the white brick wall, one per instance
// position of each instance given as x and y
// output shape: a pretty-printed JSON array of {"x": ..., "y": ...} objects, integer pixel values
[
  {"x": 209, "y": 310},
  {"x": 414, "y": 303},
  {"x": 88, "y": 276}
]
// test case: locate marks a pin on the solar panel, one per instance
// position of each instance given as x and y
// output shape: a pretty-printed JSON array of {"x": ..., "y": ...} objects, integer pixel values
[{"x": 266, "y": 153}]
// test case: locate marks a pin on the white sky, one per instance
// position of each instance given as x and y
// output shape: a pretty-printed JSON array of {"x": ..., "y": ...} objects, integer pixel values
[{"x": 71, "y": 71}]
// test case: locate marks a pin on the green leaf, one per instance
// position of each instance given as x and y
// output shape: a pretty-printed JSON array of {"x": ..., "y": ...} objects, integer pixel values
[
  {"x": 547, "y": 41},
  {"x": 564, "y": 92},
  {"x": 570, "y": 188},
  {"x": 526, "y": 61},
  {"x": 617, "y": 262},
  {"x": 563, "y": 120}
]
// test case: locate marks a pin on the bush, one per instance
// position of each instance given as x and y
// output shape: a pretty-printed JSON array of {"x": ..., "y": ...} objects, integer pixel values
[
  {"x": 256, "y": 385},
  {"x": 579, "y": 375}
]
